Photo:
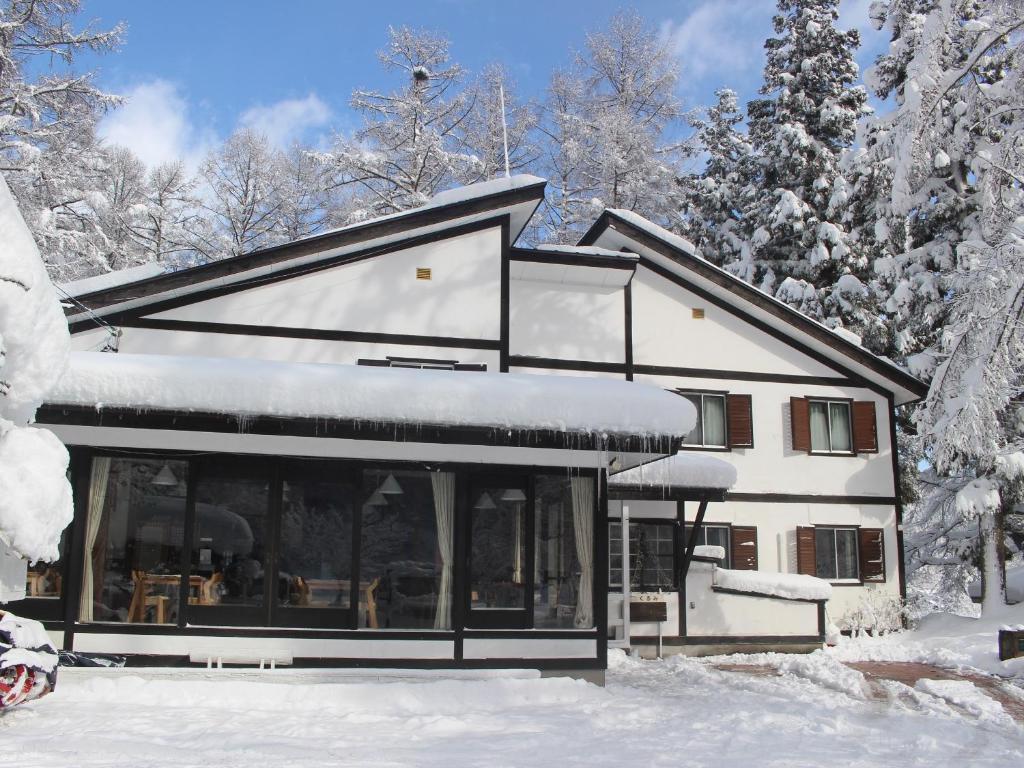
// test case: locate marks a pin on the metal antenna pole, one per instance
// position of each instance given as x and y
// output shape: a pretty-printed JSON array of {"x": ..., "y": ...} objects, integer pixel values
[{"x": 504, "y": 128}]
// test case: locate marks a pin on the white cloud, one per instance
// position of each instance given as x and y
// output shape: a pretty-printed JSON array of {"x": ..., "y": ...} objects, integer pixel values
[
  {"x": 288, "y": 120},
  {"x": 721, "y": 40},
  {"x": 154, "y": 123}
]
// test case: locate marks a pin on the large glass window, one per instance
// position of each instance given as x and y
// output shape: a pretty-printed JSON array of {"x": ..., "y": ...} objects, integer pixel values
[
  {"x": 709, "y": 431},
  {"x": 405, "y": 567},
  {"x": 836, "y": 556},
  {"x": 563, "y": 565},
  {"x": 315, "y": 550},
  {"x": 230, "y": 545},
  {"x": 830, "y": 427},
  {"x": 134, "y": 537},
  {"x": 652, "y": 559},
  {"x": 498, "y": 547}
]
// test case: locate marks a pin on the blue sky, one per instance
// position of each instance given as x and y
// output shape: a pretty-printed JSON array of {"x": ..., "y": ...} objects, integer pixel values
[{"x": 194, "y": 71}]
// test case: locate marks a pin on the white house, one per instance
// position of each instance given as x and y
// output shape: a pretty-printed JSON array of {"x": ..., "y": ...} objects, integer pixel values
[{"x": 253, "y": 480}]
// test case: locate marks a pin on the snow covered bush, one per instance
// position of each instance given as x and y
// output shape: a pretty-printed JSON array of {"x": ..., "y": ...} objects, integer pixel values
[{"x": 875, "y": 614}]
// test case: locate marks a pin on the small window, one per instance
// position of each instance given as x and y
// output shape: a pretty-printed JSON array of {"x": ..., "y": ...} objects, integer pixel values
[
  {"x": 716, "y": 536},
  {"x": 836, "y": 557},
  {"x": 652, "y": 559},
  {"x": 831, "y": 430},
  {"x": 709, "y": 431}
]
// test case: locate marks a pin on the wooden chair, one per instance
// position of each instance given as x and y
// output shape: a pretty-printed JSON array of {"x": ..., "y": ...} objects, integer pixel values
[
  {"x": 208, "y": 592},
  {"x": 371, "y": 604},
  {"x": 141, "y": 600}
]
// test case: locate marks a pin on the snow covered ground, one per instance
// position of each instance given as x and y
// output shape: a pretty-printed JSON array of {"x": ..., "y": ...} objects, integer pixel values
[{"x": 810, "y": 711}]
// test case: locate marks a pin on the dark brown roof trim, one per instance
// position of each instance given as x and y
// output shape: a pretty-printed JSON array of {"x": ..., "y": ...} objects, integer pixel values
[
  {"x": 603, "y": 261},
  {"x": 329, "y": 240},
  {"x": 759, "y": 298}
]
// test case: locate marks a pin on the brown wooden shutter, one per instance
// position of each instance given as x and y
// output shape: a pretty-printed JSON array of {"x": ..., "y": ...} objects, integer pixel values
[
  {"x": 871, "y": 546},
  {"x": 865, "y": 427},
  {"x": 744, "y": 548},
  {"x": 800, "y": 419},
  {"x": 806, "y": 555},
  {"x": 739, "y": 420}
]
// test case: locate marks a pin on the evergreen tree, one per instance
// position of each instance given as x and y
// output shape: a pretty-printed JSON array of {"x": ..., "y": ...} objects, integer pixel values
[
  {"x": 799, "y": 247},
  {"x": 715, "y": 198}
]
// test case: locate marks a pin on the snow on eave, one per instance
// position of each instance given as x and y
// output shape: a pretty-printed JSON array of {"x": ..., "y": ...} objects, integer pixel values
[
  {"x": 265, "y": 261},
  {"x": 586, "y": 250},
  {"x": 115, "y": 279},
  {"x": 683, "y": 470},
  {"x": 245, "y": 387},
  {"x": 914, "y": 388}
]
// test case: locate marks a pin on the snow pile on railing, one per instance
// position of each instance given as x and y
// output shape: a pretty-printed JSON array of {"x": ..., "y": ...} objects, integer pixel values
[
  {"x": 370, "y": 394},
  {"x": 710, "y": 551},
  {"x": 793, "y": 586},
  {"x": 684, "y": 470}
]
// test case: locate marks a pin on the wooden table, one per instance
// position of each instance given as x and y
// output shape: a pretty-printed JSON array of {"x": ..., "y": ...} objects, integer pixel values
[{"x": 142, "y": 599}]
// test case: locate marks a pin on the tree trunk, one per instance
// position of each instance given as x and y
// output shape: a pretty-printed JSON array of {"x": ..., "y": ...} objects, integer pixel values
[{"x": 993, "y": 584}]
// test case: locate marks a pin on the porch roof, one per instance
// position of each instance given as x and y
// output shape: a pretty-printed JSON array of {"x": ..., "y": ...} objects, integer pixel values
[
  {"x": 407, "y": 404},
  {"x": 682, "y": 476}
]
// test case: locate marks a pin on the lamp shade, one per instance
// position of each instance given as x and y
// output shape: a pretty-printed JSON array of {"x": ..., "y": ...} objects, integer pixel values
[
  {"x": 376, "y": 499},
  {"x": 485, "y": 502},
  {"x": 165, "y": 476},
  {"x": 513, "y": 494},
  {"x": 390, "y": 486}
]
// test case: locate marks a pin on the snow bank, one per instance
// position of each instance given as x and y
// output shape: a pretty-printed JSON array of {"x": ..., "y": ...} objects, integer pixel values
[
  {"x": 712, "y": 551},
  {"x": 954, "y": 642},
  {"x": 965, "y": 695},
  {"x": 35, "y": 498},
  {"x": 790, "y": 585},
  {"x": 683, "y": 470},
  {"x": 371, "y": 394},
  {"x": 109, "y": 280}
]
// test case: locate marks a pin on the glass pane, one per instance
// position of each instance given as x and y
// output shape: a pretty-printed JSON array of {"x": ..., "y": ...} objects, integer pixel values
[
  {"x": 714, "y": 420},
  {"x": 45, "y": 580},
  {"x": 718, "y": 536},
  {"x": 615, "y": 554},
  {"x": 651, "y": 550},
  {"x": 134, "y": 536},
  {"x": 400, "y": 564},
  {"x": 498, "y": 548},
  {"x": 825, "y": 553},
  {"x": 839, "y": 422},
  {"x": 556, "y": 575},
  {"x": 819, "y": 426},
  {"x": 229, "y": 549},
  {"x": 315, "y": 561},
  {"x": 696, "y": 434},
  {"x": 846, "y": 554}
]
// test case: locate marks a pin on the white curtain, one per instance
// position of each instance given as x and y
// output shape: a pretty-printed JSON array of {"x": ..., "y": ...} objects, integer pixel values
[
  {"x": 819, "y": 427},
  {"x": 97, "y": 500},
  {"x": 583, "y": 523},
  {"x": 444, "y": 509}
]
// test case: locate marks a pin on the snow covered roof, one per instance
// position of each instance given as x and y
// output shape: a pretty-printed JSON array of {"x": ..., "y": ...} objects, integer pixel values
[
  {"x": 77, "y": 288},
  {"x": 587, "y": 250},
  {"x": 684, "y": 470},
  {"x": 618, "y": 227},
  {"x": 518, "y": 196},
  {"x": 246, "y": 387}
]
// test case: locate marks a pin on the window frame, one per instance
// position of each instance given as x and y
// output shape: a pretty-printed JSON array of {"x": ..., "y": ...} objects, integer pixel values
[
  {"x": 858, "y": 579},
  {"x": 727, "y": 527},
  {"x": 829, "y": 402},
  {"x": 702, "y": 394},
  {"x": 634, "y": 552}
]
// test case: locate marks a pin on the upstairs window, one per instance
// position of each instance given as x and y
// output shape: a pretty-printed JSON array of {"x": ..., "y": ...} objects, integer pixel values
[
  {"x": 836, "y": 554},
  {"x": 709, "y": 432},
  {"x": 831, "y": 430}
]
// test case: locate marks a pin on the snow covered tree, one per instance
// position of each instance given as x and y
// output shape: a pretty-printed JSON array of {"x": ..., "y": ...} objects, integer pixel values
[
  {"x": 303, "y": 193},
  {"x": 715, "y": 198},
  {"x": 799, "y": 247},
  {"x": 611, "y": 122},
  {"x": 954, "y": 221},
  {"x": 243, "y": 196},
  {"x": 48, "y": 150},
  {"x": 410, "y": 145},
  {"x": 168, "y": 223}
]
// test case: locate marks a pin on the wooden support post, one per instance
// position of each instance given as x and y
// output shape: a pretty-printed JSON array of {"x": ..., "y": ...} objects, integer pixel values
[{"x": 691, "y": 542}]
